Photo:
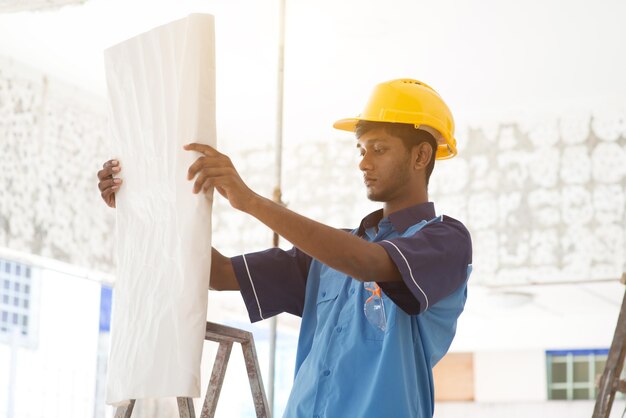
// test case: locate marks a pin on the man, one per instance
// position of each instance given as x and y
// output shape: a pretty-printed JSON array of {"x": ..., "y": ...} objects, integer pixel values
[{"x": 379, "y": 304}]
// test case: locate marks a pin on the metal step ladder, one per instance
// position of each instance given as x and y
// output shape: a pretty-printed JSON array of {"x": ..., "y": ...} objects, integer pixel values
[
  {"x": 225, "y": 336},
  {"x": 610, "y": 382}
]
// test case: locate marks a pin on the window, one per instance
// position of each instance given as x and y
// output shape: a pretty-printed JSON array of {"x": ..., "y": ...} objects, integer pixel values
[
  {"x": 15, "y": 298},
  {"x": 572, "y": 374}
]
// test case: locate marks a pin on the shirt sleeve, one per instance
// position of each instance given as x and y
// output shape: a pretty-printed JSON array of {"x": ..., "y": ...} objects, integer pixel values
[
  {"x": 272, "y": 281},
  {"x": 433, "y": 263}
]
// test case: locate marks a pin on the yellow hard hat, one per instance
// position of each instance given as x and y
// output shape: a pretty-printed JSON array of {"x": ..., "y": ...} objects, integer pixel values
[{"x": 413, "y": 102}]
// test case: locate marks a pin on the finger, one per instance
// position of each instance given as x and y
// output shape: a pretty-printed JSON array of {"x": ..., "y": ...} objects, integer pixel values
[
  {"x": 109, "y": 196},
  {"x": 106, "y": 184},
  {"x": 206, "y": 162},
  {"x": 208, "y": 174},
  {"x": 205, "y": 186},
  {"x": 109, "y": 168},
  {"x": 104, "y": 174},
  {"x": 221, "y": 191},
  {"x": 110, "y": 163},
  {"x": 202, "y": 148},
  {"x": 214, "y": 182},
  {"x": 195, "y": 167}
]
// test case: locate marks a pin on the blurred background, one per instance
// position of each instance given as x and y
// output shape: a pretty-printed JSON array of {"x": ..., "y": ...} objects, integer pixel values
[{"x": 539, "y": 96}]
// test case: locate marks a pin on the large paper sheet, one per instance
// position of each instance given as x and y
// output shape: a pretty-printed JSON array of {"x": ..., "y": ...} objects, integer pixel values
[{"x": 162, "y": 95}]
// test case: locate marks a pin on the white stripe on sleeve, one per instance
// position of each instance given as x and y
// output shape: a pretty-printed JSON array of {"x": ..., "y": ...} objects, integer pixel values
[
  {"x": 245, "y": 262},
  {"x": 410, "y": 271}
]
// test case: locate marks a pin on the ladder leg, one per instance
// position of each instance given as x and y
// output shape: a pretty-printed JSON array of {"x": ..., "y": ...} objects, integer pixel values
[
  {"x": 185, "y": 408},
  {"x": 254, "y": 376},
  {"x": 125, "y": 411},
  {"x": 217, "y": 379},
  {"x": 609, "y": 382}
]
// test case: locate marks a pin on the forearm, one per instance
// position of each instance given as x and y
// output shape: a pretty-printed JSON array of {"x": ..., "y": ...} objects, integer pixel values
[
  {"x": 338, "y": 249},
  {"x": 222, "y": 272}
]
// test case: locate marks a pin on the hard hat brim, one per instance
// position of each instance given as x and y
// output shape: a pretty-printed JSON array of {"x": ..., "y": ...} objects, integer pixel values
[{"x": 346, "y": 124}]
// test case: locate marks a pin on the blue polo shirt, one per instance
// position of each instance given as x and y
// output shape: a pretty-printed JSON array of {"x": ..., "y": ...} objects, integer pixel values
[{"x": 345, "y": 366}]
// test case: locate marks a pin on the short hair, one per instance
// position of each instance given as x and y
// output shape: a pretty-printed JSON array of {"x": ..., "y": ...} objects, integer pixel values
[{"x": 408, "y": 133}]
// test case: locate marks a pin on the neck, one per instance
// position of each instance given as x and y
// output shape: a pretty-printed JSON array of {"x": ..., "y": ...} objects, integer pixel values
[{"x": 405, "y": 202}]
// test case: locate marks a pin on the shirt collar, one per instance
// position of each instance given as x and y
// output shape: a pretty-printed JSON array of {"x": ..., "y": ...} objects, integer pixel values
[{"x": 402, "y": 219}]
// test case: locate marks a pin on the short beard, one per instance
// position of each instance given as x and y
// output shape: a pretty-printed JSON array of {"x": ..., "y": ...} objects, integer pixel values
[{"x": 399, "y": 176}]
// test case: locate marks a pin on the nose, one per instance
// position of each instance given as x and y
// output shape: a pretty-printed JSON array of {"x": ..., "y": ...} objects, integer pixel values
[{"x": 366, "y": 163}]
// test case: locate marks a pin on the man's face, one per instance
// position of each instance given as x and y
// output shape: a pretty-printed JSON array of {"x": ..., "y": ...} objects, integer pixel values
[{"x": 386, "y": 165}]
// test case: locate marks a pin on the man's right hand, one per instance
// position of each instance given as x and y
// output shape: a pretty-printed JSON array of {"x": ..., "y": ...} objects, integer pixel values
[{"x": 107, "y": 184}]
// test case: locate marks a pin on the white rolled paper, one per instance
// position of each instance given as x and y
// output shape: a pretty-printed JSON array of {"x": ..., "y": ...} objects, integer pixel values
[{"x": 161, "y": 88}]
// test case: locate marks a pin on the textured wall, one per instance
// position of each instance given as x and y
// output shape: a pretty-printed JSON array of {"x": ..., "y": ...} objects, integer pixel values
[
  {"x": 51, "y": 141},
  {"x": 544, "y": 201}
]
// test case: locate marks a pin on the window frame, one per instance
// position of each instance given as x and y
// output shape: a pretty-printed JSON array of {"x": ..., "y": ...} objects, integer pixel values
[
  {"x": 18, "y": 285},
  {"x": 570, "y": 357}
]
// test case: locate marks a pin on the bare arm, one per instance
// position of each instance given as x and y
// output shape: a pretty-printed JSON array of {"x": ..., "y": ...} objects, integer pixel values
[
  {"x": 222, "y": 272},
  {"x": 338, "y": 249}
]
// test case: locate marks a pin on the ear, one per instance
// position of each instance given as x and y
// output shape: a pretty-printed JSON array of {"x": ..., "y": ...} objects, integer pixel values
[{"x": 421, "y": 154}]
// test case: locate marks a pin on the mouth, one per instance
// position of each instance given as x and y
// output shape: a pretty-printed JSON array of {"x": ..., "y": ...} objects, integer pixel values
[{"x": 369, "y": 181}]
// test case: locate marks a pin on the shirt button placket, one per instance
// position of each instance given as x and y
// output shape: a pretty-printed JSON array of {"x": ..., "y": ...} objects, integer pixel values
[{"x": 322, "y": 392}]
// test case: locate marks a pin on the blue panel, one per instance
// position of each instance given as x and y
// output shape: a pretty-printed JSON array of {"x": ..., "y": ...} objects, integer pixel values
[
  {"x": 106, "y": 296},
  {"x": 597, "y": 352}
]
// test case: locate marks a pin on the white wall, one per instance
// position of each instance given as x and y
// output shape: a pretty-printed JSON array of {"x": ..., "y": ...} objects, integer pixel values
[
  {"x": 510, "y": 376},
  {"x": 555, "y": 317}
]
